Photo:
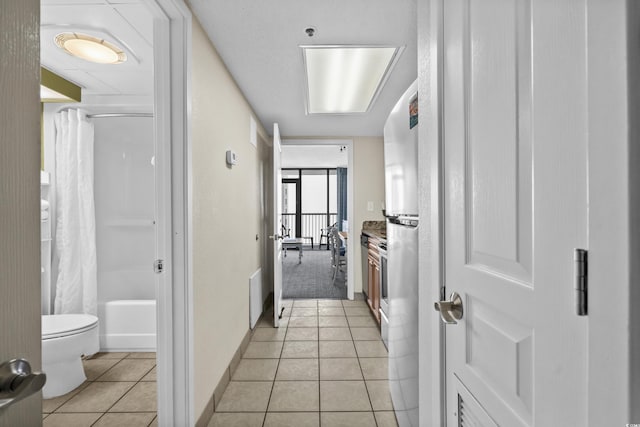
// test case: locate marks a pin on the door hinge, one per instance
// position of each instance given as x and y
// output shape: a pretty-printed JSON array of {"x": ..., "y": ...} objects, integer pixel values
[
  {"x": 580, "y": 286},
  {"x": 158, "y": 266}
]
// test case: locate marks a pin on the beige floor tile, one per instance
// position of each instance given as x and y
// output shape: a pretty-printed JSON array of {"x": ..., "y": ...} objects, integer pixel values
[
  {"x": 71, "y": 420},
  {"x": 294, "y": 396},
  {"x": 256, "y": 370},
  {"x": 303, "y": 322},
  {"x": 142, "y": 355},
  {"x": 245, "y": 396},
  {"x": 237, "y": 420},
  {"x": 302, "y": 334},
  {"x": 375, "y": 368},
  {"x": 97, "y": 397},
  {"x": 50, "y": 405},
  {"x": 109, "y": 355},
  {"x": 292, "y": 419},
  {"x": 265, "y": 321},
  {"x": 347, "y": 419},
  {"x": 337, "y": 349},
  {"x": 137, "y": 419},
  {"x": 263, "y": 350},
  {"x": 357, "y": 311},
  {"x": 300, "y": 349},
  {"x": 366, "y": 334},
  {"x": 305, "y": 303},
  {"x": 361, "y": 321},
  {"x": 386, "y": 419},
  {"x": 141, "y": 398},
  {"x": 371, "y": 349},
  {"x": 269, "y": 334},
  {"x": 93, "y": 368},
  {"x": 340, "y": 369},
  {"x": 379, "y": 395},
  {"x": 344, "y": 396},
  {"x": 335, "y": 334},
  {"x": 329, "y": 303},
  {"x": 297, "y": 370},
  {"x": 332, "y": 322},
  {"x": 331, "y": 311},
  {"x": 354, "y": 303},
  {"x": 128, "y": 370},
  {"x": 151, "y": 376},
  {"x": 304, "y": 312}
]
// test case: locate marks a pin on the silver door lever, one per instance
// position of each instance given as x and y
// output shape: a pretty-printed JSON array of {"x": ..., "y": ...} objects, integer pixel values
[
  {"x": 451, "y": 310},
  {"x": 17, "y": 381}
]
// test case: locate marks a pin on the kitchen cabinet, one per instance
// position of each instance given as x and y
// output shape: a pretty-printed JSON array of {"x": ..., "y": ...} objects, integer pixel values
[{"x": 373, "y": 294}]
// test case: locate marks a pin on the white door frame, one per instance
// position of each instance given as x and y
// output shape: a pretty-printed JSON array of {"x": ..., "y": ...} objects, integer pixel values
[
  {"x": 614, "y": 184},
  {"x": 350, "y": 247},
  {"x": 172, "y": 59}
]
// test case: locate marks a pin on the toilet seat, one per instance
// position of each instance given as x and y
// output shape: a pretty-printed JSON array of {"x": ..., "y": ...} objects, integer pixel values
[{"x": 62, "y": 325}]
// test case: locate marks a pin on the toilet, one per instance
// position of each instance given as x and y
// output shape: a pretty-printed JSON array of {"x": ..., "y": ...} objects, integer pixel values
[{"x": 65, "y": 338}]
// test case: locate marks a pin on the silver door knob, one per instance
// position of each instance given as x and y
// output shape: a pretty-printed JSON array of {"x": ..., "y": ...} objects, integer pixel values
[
  {"x": 17, "y": 381},
  {"x": 276, "y": 236},
  {"x": 451, "y": 310}
]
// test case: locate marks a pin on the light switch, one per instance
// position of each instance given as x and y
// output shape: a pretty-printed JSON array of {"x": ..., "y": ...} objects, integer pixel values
[{"x": 370, "y": 206}]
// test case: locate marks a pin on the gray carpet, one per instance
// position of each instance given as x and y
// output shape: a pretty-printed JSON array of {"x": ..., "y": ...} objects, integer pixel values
[{"x": 312, "y": 278}]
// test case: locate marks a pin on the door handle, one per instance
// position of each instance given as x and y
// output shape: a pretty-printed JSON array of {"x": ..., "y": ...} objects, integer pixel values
[
  {"x": 276, "y": 236},
  {"x": 451, "y": 310},
  {"x": 17, "y": 381}
]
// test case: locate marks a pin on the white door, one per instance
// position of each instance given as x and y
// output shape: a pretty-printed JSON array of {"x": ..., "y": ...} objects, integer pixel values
[
  {"x": 277, "y": 226},
  {"x": 515, "y": 167}
]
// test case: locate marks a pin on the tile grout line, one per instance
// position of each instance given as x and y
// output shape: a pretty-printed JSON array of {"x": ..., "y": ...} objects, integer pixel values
[{"x": 275, "y": 375}]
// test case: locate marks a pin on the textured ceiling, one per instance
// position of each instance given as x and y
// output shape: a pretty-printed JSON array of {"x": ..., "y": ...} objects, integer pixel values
[
  {"x": 126, "y": 23},
  {"x": 259, "y": 42}
]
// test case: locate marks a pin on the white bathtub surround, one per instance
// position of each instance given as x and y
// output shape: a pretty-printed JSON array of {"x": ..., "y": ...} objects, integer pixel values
[
  {"x": 76, "y": 285},
  {"x": 128, "y": 325}
]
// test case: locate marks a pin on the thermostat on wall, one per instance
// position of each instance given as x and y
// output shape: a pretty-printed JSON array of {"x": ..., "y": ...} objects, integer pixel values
[{"x": 232, "y": 158}]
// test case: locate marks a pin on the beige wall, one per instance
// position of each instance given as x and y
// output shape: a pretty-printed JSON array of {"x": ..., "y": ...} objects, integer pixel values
[
  {"x": 226, "y": 215},
  {"x": 368, "y": 186}
]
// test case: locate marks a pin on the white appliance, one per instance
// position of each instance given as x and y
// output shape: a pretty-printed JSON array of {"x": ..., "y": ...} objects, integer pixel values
[{"x": 401, "y": 203}]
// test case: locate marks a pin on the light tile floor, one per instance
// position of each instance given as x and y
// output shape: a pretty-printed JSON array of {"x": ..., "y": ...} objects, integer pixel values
[
  {"x": 325, "y": 366},
  {"x": 120, "y": 391}
]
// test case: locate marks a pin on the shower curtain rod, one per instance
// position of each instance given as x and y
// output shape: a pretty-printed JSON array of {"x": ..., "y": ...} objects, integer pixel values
[{"x": 104, "y": 115}]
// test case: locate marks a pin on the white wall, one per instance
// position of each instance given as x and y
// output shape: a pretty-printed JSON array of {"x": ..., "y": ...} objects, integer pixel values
[{"x": 227, "y": 215}]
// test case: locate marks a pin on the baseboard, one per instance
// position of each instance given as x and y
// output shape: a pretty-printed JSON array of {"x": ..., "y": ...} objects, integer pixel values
[{"x": 218, "y": 391}]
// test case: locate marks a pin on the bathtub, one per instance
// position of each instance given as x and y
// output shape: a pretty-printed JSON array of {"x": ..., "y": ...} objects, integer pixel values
[{"x": 128, "y": 325}]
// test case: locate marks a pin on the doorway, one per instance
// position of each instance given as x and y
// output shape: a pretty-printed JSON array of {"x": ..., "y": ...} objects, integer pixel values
[{"x": 310, "y": 213}]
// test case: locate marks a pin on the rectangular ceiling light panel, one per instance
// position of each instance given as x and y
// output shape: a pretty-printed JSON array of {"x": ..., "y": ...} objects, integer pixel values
[{"x": 345, "y": 79}]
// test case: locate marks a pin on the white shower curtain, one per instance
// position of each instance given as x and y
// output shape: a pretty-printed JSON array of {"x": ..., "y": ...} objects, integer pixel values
[{"x": 76, "y": 286}]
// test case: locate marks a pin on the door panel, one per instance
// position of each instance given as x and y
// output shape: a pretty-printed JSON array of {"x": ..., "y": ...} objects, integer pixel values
[
  {"x": 515, "y": 207},
  {"x": 20, "y": 332},
  {"x": 277, "y": 227}
]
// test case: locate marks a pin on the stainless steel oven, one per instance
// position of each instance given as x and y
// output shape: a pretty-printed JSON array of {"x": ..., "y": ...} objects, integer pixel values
[{"x": 384, "y": 294}]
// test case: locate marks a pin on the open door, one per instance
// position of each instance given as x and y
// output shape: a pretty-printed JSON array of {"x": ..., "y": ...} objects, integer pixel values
[
  {"x": 277, "y": 226},
  {"x": 515, "y": 209}
]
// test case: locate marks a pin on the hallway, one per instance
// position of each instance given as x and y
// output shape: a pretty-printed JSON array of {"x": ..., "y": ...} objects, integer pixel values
[{"x": 325, "y": 366}]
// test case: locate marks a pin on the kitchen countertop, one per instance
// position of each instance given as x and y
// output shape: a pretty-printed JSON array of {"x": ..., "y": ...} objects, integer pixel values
[{"x": 375, "y": 229}]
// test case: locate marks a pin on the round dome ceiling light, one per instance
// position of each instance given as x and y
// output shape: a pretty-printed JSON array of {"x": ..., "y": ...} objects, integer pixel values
[{"x": 90, "y": 48}]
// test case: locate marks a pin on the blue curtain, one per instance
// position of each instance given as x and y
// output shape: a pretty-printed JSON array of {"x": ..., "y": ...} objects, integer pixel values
[{"x": 342, "y": 196}]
